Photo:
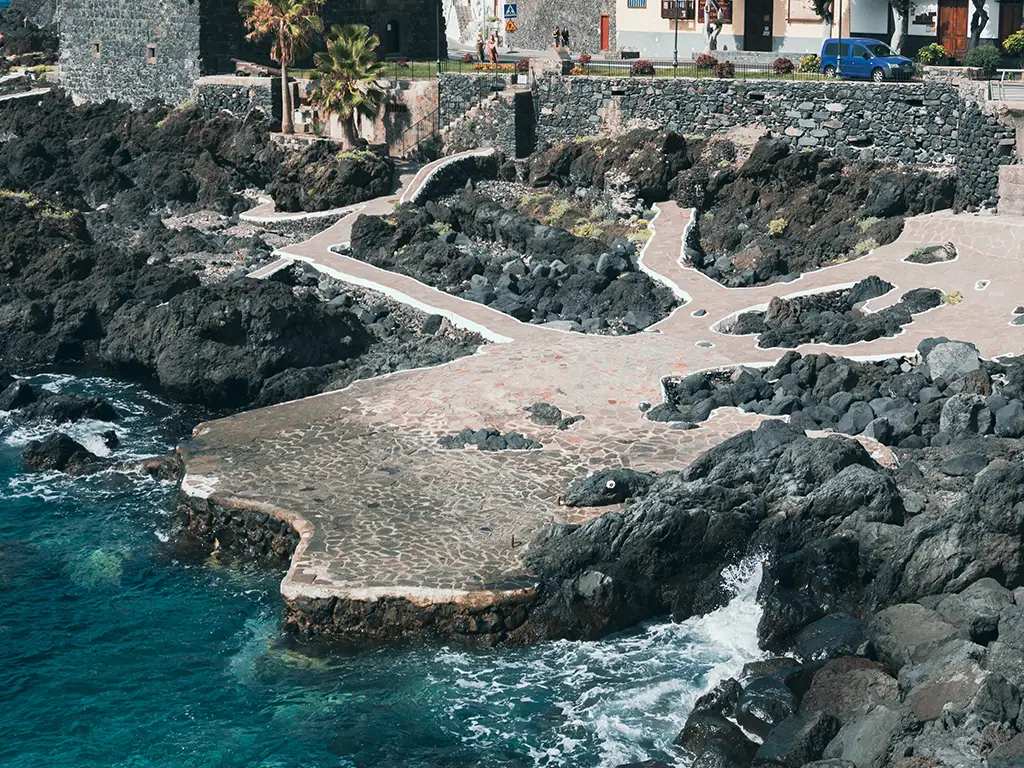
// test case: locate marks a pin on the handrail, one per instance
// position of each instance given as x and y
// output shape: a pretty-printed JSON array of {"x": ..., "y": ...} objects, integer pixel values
[
  {"x": 421, "y": 134},
  {"x": 1016, "y": 77}
]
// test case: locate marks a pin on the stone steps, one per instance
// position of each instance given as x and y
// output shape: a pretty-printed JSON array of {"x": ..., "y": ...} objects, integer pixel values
[{"x": 1011, "y": 189}]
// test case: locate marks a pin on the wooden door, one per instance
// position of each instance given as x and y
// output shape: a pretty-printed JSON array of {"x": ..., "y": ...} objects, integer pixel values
[
  {"x": 952, "y": 32},
  {"x": 1009, "y": 19},
  {"x": 605, "y": 33}
]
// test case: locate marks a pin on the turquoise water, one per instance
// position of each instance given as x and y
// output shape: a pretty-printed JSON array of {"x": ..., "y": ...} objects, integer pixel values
[{"x": 118, "y": 653}]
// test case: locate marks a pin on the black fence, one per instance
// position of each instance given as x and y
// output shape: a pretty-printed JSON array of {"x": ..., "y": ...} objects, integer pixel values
[
  {"x": 781, "y": 69},
  {"x": 705, "y": 66},
  {"x": 427, "y": 70}
]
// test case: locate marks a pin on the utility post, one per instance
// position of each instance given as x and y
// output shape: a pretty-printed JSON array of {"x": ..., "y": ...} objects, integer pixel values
[
  {"x": 675, "y": 52},
  {"x": 839, "y": 58},
  {"x": 439, "y": 2}
]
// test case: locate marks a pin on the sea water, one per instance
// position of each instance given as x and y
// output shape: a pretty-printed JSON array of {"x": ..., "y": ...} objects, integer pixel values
[{"x": 114, "y": 651}]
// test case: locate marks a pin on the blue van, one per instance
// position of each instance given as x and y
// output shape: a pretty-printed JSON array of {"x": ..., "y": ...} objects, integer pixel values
[{"x": 865, "y": 58}]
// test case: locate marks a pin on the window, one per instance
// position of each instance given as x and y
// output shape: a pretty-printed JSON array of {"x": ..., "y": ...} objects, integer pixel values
[
  {"x": 881, "y": 49},
  {"x": 831, "y": 49},
  {"x": 686, "y": 10},
  {"x": 861, "y": 52},
  {"x": 636, "y": 3},
  {"x": 151, "y": 54},
  {"x": 96, "y": 49}
]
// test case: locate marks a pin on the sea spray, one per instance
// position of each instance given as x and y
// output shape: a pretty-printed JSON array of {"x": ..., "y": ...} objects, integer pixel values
[{"x": 617, "y": 700}]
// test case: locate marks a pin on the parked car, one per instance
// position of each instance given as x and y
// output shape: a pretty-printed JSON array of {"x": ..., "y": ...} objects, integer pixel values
[{"x": 864, "y": 58}]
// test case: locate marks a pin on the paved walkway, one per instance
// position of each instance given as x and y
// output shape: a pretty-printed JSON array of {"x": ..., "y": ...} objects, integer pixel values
[{"x": 385, "y": 511}]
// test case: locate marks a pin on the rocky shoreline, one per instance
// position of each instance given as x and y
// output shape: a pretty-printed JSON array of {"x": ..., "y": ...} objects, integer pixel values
[
  {"x": 130, "y": 257},
  {"x": 888, "y": 594},
  {"x": 891, "y": 592}
]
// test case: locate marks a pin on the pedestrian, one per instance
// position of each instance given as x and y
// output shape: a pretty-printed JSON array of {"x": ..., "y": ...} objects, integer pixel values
[
  {"x": 480, "y": 46},
  {"x": 556, "y": 37},
  {"x": 492, "y": 48},
  {"x": 565, "y": 38}
]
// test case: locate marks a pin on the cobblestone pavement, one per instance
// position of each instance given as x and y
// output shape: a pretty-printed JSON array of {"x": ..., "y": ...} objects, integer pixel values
[{"x": 389, "y": 512}]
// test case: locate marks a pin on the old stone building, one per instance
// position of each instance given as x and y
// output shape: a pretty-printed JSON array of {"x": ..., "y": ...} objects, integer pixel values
[{"x": 134, "y": 51}]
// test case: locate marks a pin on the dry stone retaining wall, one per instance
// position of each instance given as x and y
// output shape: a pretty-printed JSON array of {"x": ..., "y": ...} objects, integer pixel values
[
  {"x": 240, "y": 98},
  {"x": 931, "y": 124}
]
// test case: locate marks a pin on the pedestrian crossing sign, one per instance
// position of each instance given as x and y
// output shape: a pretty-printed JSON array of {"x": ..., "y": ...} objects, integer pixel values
[
  {"x": 510, "y": 26},
  {"x": 511, "y": 11}
]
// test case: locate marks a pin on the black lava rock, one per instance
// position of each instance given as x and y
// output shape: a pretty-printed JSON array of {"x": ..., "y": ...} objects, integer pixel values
[
  {"x": 608, "y": 486},
  {"x": 60, "y": 453}
]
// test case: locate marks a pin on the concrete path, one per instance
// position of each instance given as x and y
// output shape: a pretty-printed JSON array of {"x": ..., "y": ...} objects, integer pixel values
[{"x": 384, "y": 511}]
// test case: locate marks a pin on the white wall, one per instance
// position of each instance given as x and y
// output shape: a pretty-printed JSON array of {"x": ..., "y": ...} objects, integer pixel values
[{"x": 870, "y": 16}]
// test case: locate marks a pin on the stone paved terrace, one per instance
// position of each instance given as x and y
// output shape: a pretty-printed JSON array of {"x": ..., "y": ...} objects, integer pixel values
[{"x": 384, "y": 511}]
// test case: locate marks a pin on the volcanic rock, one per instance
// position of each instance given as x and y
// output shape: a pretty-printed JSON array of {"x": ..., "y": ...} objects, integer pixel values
[
  {"x": 60, "y": 453},
  {"x": 608, "y": 486}
]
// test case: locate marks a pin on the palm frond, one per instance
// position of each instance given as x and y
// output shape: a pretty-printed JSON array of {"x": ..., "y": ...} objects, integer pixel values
[
  {"x": 290, "y": 24},
  {"x": 348, "y": 73}
]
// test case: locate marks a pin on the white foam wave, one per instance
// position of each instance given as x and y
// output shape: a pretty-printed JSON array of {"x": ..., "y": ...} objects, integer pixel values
[{"x": 617, "y": 700}]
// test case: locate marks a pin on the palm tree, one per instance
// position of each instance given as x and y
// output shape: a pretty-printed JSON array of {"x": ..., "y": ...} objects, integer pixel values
[
  {"x": 290, "y": 24},
  {"x": 348, "y": 76}
]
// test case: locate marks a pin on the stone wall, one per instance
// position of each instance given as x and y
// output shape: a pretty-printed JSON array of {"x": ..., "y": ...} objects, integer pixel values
[
  {"x": 238, "y": 95},
  {"x": 461, "y": 93},
  {"x": 934, "y": 124},
  {"x": 104, "y": 49},
  {"x": 201, "y": 37},
  {"x": 985, "y": 144},
  {"x": 235, "y": 533},
  {"x": 537, "y": 18}
]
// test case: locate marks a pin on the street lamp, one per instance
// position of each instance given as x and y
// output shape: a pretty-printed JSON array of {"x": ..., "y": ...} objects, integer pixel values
[
  {"x": 839, "y": 57},
  {"x": 675, "y": 52}
]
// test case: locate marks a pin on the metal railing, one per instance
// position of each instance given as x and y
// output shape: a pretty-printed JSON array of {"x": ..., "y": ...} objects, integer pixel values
[
  {"x": 503, "y": 71},
  {"x": 423, "y": 129},
  {"x": 1009, "y": 86},
  {"x": 641, "y": 68}
]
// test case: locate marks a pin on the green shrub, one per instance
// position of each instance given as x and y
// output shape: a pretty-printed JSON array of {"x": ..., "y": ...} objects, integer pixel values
[
  {"x": 986, "y": 57},
  {"x": 777, "y": 226},
  {"x": 867, "y": 223},
  {"x": 1014, "y": 45},
  {"x": 583, "y": 228},
  {"x": 865, "y": 246},
  {"x": 809, "y": 63},
  {"x": 933, "y": 53}
]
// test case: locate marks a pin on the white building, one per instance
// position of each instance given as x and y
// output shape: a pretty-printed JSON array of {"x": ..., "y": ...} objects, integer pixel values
[{"x": 792, "y": 27}]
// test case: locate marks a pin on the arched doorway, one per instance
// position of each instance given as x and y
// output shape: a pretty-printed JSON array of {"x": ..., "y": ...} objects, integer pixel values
[{"x": 392, "y": 42}]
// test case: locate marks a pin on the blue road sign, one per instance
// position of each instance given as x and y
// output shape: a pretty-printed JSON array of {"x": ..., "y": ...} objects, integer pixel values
[{"x": 511, "y": 11}]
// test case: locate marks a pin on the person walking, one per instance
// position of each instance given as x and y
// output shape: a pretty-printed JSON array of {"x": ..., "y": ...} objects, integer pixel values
[
  {"x": 492, "y": 47},
  {"x": 565, "y": 38},
  {"x": 556, "y": 37},
  {"x": 480, "y": 46}
]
